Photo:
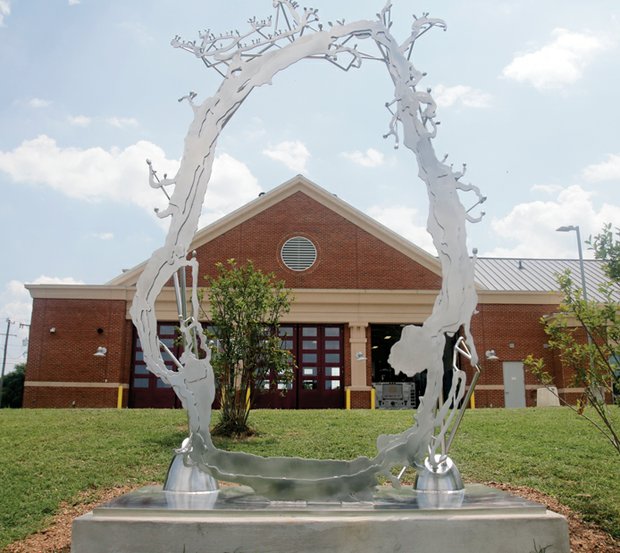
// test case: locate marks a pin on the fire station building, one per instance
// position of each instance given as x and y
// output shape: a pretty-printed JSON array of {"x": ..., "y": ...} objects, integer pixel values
[{"x": 354, "y": 285}]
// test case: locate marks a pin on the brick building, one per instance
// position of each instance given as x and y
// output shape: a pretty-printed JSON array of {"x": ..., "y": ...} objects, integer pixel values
[{"x": 355, "y": 284}]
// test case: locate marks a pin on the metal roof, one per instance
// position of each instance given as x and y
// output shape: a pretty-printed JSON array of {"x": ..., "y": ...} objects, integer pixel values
[{"x": 538, "y": 275}]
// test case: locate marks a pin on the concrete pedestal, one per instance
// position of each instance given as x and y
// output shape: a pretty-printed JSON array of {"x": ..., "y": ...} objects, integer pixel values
[{"x": 480, "y": 520}]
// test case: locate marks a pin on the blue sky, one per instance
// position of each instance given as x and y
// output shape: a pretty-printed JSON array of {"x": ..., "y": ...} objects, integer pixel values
[{"x": 527, "y": 96}]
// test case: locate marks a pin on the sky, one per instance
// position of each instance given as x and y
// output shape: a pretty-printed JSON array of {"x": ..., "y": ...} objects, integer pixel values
[{"x": 527, "y": 94}]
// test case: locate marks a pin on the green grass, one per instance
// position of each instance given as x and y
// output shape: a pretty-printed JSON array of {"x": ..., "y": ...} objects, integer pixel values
[{"x": 50, "y": 456}]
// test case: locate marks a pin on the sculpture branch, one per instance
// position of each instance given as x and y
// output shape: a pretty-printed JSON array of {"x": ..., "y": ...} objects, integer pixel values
[
  {"x": 420, "y": 26},
  {"x": 252, "y": 59}
]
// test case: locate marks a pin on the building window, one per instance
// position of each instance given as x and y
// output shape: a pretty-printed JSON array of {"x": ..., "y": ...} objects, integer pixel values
[{"x": 298, "y": 253}]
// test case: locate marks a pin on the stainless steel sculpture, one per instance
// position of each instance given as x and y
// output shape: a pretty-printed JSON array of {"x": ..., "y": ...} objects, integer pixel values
[{"x": 249, "y": 60}]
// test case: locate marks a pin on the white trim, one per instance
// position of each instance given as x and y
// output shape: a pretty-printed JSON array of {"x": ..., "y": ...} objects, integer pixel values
[
  {"x": 81, "y": 292},
  {"x": 497, "y": 387},
  {"x": 56, "y": 384}
]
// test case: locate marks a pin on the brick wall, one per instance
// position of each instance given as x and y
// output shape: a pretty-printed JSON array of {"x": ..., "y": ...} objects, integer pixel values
[
  {"x": 514, "y": 332},
  {"x": 66, "y": 397},
  {"x": 348, "y": 257},
  {"x": 66, "y": 354},
  {"x": 360, "y": 399}
]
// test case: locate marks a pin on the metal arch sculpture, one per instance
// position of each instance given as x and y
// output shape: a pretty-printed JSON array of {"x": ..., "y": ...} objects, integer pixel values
[{"x": 245, "y": 62}]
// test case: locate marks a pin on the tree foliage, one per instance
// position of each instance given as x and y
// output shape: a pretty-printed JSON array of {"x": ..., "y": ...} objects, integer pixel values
[
  {"x": 13, "y": 387},
  {"x": 606, "y": 246},
  {"x": 586, "y": 336},
  {"x": 246, "y": 307}
]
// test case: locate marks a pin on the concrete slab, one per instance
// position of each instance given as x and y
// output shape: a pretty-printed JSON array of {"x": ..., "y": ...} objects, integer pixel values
[{"x": 481, "y": 520}]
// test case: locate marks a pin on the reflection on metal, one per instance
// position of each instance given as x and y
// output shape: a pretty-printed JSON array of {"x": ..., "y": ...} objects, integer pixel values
[
  {"x": 184, "y": 476},
  {"x": 438, "y": 474},
  {"x": 237, "y": 501},
  {"x": 249, "y": 60},
  {"x": 462, "y": 349},
  {"x": 441, "y": 475},
  {"x": 439, "y": 484}
]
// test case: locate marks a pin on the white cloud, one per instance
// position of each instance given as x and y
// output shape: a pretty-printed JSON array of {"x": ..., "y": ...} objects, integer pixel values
[
  {"x": 103, "y": 235},
  {"x": 446, "y": 96},
  {"x": 91, "y": 174},
  {"x": 5, "y": 10},
  {"x": 44, "y": 279},
  {"x": 122, "y": 122},
  {"x": 38, "y": 103},
  {"x": 95, "y": 174},
  {"x": 232, "y": 185},
  {"x": 79, "y": 120},
  {"x": 16, "y": 302},
  {"x": 560, "y": 62},
  {"x": 74, "y": 2},
  {"x": 293, "y": 154},
  {"x": 547, "y": 188},
  {"x": 604, "y": 171},
  {"x": 403, "y": 220},
  {"x": 370, "y": 158},
  {"x": 532, "y": 225}
]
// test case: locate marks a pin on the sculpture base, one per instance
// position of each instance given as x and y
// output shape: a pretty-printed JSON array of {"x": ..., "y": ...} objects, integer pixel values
[{"x": 477, "y": 520}]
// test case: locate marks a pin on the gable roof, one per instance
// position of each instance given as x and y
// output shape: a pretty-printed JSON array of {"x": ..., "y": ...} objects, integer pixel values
[{"x": 299, "y": 183}]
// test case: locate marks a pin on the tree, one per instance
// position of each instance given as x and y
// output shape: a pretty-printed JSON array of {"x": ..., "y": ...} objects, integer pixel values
[
  {"x": 607, "y": 248},
  {"x": 594, "y": 357},
  {"x": 13, "y": 387},
  {"x": 246, "y": 307}
]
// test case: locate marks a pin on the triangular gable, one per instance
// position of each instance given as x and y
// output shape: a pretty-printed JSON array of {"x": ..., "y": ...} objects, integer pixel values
[{"x": 375, "y": 242}]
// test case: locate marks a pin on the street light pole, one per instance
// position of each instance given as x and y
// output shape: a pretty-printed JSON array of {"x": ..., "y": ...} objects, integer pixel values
[
  {"x": 581, "y": 265},
  {"x": 584, "y": 291}
]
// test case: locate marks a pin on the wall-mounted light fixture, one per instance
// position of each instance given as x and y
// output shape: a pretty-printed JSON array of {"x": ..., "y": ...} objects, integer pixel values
[
  {"x": 53, "y": 330},
  {"x": 491, "y": 355},
  {"x": 359, "y": 356},
  {"x": 101, "y": 352}
]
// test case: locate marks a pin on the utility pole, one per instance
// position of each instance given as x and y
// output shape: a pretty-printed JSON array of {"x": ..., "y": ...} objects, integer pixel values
[{"x": 6, "y": 343}]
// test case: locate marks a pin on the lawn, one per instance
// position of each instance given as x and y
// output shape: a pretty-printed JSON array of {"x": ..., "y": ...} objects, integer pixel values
[{"x": 49, "y": 456}]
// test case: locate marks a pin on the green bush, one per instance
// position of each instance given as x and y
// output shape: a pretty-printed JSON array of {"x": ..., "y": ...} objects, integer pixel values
[{"x": 13, "y": 387}]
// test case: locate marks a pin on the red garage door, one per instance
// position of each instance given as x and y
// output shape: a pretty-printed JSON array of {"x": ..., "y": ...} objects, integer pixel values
[
  {"x": 319, "y": 375},
  {"x": 318, "y": 378},
  {"x": 146, "y": 389}
]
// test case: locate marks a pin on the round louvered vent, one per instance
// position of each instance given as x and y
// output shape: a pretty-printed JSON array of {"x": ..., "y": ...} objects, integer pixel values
[{"x": 298, "y": 253}]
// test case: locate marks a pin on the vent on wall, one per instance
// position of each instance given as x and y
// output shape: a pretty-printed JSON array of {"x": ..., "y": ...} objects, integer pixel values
[{"x": 298, "y": 253}]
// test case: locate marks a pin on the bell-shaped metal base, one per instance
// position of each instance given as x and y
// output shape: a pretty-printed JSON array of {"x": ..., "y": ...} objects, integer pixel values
[
  {"x": 187, "y": 478},
  {"x": 439, "y": 476},
  {"x": 439, "y": 484}
]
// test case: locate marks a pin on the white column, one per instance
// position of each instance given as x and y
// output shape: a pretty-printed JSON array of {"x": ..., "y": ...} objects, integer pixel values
[{"x": 357, "y": 341}]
